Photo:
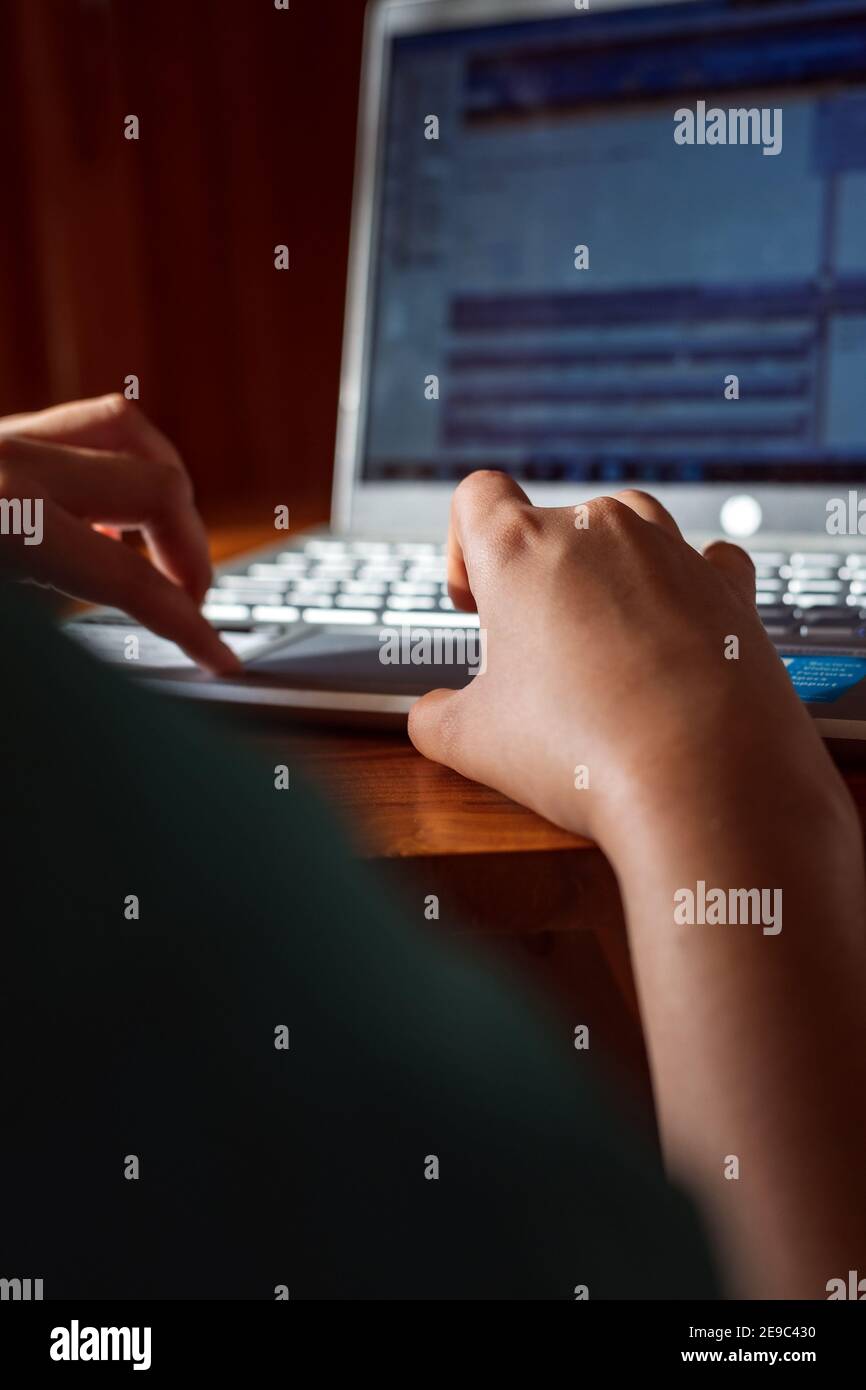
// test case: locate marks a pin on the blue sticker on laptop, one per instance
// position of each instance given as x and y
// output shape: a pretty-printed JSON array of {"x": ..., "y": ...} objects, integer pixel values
[{"x": 822, "y": 679}]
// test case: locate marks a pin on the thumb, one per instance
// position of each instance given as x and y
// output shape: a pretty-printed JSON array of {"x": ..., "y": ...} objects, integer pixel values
[{"x": 435, "y": 728}]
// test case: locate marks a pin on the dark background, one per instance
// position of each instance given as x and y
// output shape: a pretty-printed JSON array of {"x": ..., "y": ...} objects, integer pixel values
[{"x": 156, "y": 257}]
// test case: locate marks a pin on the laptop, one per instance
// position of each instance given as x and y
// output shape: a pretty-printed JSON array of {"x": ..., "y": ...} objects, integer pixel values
[{"x": 595, "y": 245}]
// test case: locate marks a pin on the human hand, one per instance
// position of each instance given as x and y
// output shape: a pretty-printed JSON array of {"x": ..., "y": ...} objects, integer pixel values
[
  {"x": 606, "y": 650},
  {"x": 102, "y": 461}
]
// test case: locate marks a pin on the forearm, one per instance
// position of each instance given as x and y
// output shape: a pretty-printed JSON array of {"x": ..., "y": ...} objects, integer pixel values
[{"x": 756, "y": 1036}]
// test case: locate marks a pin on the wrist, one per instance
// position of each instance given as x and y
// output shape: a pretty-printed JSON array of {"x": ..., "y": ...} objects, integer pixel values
[{"x": 682, "y": 805}]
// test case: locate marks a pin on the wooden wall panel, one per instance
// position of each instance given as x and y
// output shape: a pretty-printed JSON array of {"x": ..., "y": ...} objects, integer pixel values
[{"x": 156, "y": 256}]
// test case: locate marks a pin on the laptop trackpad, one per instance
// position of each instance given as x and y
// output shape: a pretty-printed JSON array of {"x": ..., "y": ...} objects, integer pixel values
[{"x": 337, "y": 659}]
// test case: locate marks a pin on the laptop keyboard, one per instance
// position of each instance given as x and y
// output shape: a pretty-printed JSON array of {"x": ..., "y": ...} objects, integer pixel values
[
  {"x": 812, "y": 596},
  {"x": 359, "y": 583},
  {"x": 806, "y": 597}
]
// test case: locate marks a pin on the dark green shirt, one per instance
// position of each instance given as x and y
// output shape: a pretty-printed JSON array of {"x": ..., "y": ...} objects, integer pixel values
[{"x": 155, "y": 1038}]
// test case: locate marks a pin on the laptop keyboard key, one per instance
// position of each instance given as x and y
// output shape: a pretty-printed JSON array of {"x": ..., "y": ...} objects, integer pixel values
[
  {"x": 410, "y": 601},
  {"x": 274, "y": 574},
  {"x": 344, "y": 570},
  {"x": 371, "y": 548},
  {"x": 412, "y": 586},
  {"x": 325, "y": 549},
  {"x": 815, "y": 586},
  {"x": 219, "y": 613},
  {"x": 358, "y": 601},
  {"x": 382, "y": 573},
  {"x": 354, "y": 616},
  {"x": 775, "y": 558},
  {"x": 243, "y": 595},
  {"x": 275, "y": 613},
  {"x": 315, "y": 586},
  {"x": 833, "y": 633},
  {"x": 777, "y": 613},
  {"x": 823, "y": 617},
  {"x": 812, "y": 600},
  {"x": 807, "y": 572},
  {"x": 765, "y": 599},
  {"x": 396, "y": 618},
  {"x": 262, "y": 582},
  {"x": 301, "y": 596},
  {"x": 369, "y": 587},
  {"x": 802, "y": 558}
]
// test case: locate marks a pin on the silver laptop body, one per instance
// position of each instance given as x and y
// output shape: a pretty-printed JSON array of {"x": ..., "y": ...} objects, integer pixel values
[{"x": 597, "y": 247}]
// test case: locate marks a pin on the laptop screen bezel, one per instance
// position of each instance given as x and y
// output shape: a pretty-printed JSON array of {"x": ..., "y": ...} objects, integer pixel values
[{"x": 420, "y": 508}]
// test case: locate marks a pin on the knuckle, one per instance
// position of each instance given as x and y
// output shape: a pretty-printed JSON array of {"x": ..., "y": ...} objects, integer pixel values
[
  {"x": 637, "y": 499},
  {"x": 474, "y": 481},
  {"x": 613, "y": 513},
  {"x": 512, "y": 529},
  {"x": 472, "y": 495},
  {"x": 118, "y": 405},
  {"x": 637, "y": 494}
]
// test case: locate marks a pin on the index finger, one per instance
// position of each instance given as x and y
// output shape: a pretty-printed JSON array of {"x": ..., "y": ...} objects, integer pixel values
[
  {"x": 474, "y": 501},
  {"x": 81, "y": 562}
]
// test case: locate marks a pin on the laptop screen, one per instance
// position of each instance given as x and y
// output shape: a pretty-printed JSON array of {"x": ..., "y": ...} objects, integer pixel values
[{"x": 624, "y": 245}]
